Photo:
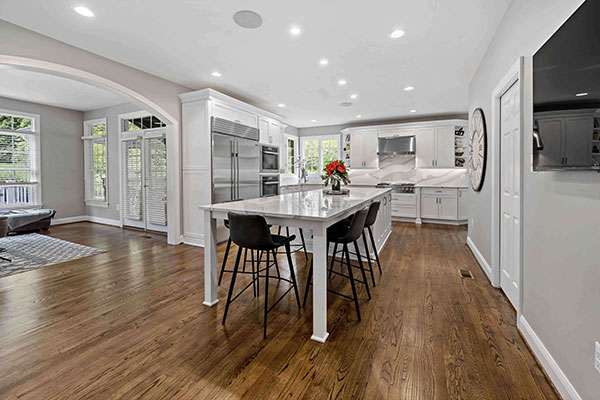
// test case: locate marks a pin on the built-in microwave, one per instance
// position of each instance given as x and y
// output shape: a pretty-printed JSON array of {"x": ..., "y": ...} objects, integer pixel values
[
  {"x": 269, "y": 185},
  {"x": 269, "y": 159}
]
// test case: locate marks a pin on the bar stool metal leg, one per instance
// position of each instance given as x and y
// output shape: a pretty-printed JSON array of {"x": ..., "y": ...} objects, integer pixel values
[
  {"x": 368, "y": 257},
  {"x": 254, "y": 274},
  {"x": 362, "y": 269},
  {"x": 354, "y": 295},
  {"x": 276, "y": 265},
  {"x": 232, "y": 285},
  {"x": 374, "y": 249},
  {"x": 308, "y": 283},
  {"x": 303, "y": 243},
  {"x": 266, "y": 297},
  {"x": 224, "y": 260}
]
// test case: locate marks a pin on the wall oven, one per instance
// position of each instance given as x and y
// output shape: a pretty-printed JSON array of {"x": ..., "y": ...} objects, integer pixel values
[
  {"x": 269, "y": 185},
  {"x": 269, "y": 159}
]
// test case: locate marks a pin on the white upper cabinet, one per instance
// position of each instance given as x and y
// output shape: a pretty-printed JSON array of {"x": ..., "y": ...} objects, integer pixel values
[
  {"x": 270, "y": 131},
  {"x": 439, "y": 144},
  {"x": 444, "y": 136},
  {"x": 235, "y": 115},
  {"x": 363, "y": 149},
  {"x": 435, "y": 147},
  {"x": 425, "y": 139}
]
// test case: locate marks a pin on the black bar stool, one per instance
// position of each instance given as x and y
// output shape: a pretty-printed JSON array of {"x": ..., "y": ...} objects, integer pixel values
[
  {"x": 251, "y": 232},
  {"x": 345, "y": 232},
  {"x": 244, "y": 264},
  {"x": 371, "y": 218}
]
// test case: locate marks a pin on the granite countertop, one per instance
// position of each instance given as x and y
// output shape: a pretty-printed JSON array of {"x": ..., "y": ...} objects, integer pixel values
[{"x": 310, "y": 204}]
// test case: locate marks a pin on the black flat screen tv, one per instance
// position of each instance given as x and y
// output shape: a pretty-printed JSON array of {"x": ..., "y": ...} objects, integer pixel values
[{"x": 566, "y": 95}]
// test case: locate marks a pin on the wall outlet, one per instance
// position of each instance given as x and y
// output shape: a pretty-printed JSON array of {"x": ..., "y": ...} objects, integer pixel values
[{"x": 597, "y": 357}]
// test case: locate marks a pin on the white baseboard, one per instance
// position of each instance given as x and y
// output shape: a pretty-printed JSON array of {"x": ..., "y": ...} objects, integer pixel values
[
  {"x": 104, "y": 221},
  {"x": 193, "y": 239},
  {"x": 481, "y": 261},
  {"x": 548, "y": 363},
  {"x": 85, "y": 218},
  {"x": 68, "y": 220}
]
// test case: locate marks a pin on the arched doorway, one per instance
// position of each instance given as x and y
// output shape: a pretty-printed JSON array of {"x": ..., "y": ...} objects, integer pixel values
[{"x": 173, "y": 126}]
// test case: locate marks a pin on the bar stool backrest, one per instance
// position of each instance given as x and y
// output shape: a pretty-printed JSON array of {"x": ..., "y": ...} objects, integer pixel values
[
  {"x": 372, "y": 216},
  {"x": 357, "y": 224},
  {"x": 250, "y": 231}
]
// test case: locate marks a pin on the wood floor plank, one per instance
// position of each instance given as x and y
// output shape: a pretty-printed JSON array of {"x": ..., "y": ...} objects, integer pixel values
[{"x": 129, "y": 324}]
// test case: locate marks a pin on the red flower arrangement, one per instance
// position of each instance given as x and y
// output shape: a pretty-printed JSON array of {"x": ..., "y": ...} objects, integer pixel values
[{"x": 335, "y": 173}]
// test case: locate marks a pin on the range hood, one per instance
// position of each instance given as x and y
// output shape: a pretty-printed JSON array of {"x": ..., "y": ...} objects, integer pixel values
[{"x": 397, "y": 145}]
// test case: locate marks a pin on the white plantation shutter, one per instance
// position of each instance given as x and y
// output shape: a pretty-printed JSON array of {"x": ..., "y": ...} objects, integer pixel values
[
  {"x": 156, "y": 180},
  {"x": 133, "y": 189}
]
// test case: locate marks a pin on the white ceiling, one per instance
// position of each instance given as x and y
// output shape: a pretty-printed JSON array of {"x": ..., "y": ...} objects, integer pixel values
[
  {"x": 54, "y": 91},
  {"x": 184, "y": 41}
]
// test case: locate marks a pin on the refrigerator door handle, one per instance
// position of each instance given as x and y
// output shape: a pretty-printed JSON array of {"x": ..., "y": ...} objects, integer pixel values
[{"x": 231, "y": 171}]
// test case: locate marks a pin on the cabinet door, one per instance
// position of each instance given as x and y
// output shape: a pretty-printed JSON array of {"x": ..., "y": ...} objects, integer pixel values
[
  {"x": 429, "y": 206},
  {"x": 275, "y": 134},
  {"x": 263, "y": 129},
  {"x": 551, "y": 133},
  {"x": 357, "y": 155},
  {"x": 369, "y": 150},
  {"x": 425, "y": 147},
  {"x": 444, "y": 145},
  {"x": 235, "y": 115},
  {"x": 448, "y": 208},
  {"x": 577, "y": 141}
]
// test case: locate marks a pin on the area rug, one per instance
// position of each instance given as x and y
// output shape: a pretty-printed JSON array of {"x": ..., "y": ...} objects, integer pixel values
[{"x": 34, "y": 251}]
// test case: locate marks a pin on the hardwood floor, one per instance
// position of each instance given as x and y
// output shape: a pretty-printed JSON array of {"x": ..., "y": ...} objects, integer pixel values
[{"x": 130, "y": 324}]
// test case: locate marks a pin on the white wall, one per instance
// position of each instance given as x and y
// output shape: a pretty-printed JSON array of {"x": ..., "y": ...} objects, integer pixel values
[
  {"x": 112, "y": 121},
  {"x": 61, "y": 155},
  {"x": 561, "y": 216}
]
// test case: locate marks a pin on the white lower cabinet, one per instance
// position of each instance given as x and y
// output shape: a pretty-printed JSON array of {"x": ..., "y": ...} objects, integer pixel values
[{"x": 439, "y": 203}]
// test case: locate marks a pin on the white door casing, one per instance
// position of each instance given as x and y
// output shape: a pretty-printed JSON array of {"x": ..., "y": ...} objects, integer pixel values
[{"x": 510, "y": 193}]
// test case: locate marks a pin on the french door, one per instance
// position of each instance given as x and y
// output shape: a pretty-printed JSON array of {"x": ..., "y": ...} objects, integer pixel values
[{"x": 144, "y": 179}]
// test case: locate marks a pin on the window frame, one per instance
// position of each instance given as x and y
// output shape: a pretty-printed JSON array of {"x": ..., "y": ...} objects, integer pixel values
[
  {"x": 35, "y": 153},
  {"x": 88, "y": 143},
  {"x": 321, "y": 139}
]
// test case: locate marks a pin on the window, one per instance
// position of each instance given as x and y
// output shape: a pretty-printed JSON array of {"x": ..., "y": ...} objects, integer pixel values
[
  {"x": 19, "y": 160},
  {"x": 95, "y": 137},
  {"x": 318, "y": 151},
  {"x": 141, "y": 123},
  {"x": 292, "y": 150}
]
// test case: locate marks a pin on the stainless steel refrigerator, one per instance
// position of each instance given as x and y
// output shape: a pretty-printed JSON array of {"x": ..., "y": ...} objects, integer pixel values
[{"x": 235, "y": 161}]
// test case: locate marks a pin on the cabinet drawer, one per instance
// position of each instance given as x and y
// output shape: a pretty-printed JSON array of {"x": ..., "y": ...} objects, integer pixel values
[
  {"x": 404, "y": 211},
  {"x": 235, "y": 115},
  {"x": 440, "y": 192},
  {"x": 404, "y": 198}
]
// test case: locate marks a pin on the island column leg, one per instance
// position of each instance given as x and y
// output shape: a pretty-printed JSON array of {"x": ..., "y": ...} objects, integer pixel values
[
  {"x": 210, "y": 260},
  {"x": 320, "y": 333}
]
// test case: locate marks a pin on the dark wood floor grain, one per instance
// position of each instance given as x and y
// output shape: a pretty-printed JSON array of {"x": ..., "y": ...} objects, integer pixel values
[{"x": 130, "y": 324}]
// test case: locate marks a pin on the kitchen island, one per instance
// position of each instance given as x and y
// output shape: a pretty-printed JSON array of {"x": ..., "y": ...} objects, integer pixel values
[{"x": 313, "y": 211}]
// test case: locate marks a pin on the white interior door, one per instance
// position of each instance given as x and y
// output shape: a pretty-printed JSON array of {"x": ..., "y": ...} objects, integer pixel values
[
  {"x": 144, "y": 180},
  {"x": 510, "y": 219}
]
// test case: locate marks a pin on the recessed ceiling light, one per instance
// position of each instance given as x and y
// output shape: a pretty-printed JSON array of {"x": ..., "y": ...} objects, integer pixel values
[
  {"x": 342, "y": 82},
  {"x": 323, "y": 61},
  {"x": 359, "y": 116},
  {"x": 86, "y": 12},
  {"x": 248, "y": 19},
  {"x": 313, "y": 120},
  {"x": 397, "y": 33},
  {"x": 409, "y": 88},
  {"x": 281, "y": 105},
  {"x": 413, "y": 111},
  {"x": 295, "y": 30},
  {"x": 582, "y": 94},
  {"x": 354, "y": 96},
  {"x": 216, "y": 74}
]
